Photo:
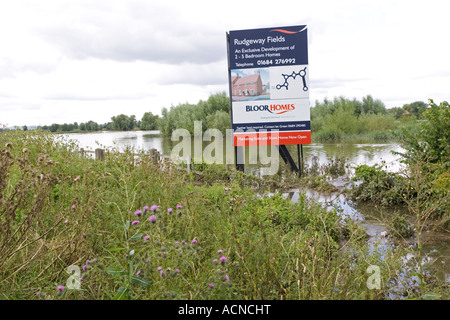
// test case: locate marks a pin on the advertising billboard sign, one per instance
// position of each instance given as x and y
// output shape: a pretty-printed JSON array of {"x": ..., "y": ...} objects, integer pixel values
[{"x": 269, "y": 86}]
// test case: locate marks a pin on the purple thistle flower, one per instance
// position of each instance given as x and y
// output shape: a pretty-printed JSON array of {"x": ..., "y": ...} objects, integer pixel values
[
  {"x": 152, "y": 218},
  {"x": 61, "y": 288},
  {"x": 135, "y": 222},
  {"x": 137, "y": 212},
  {"x": 211, "y": 285},
  {"x": 169, "y": 210},
  {"x": 154, "y": 207},
  {"x": 227, "y": 278},
  {"x": 179, "y": 206},
  {"x": 183, "y": 242},
  {"x": 215, "y": 260},
  {"x": 159, "y": 268},
  {"x": 145, "y": 208},
  {"x": 223, "y": 259},
  {"x": 84, "y": 267},
  {"x": 177, "y": 270},
  {"x": 194, "y": 241},
  {"x": 219, "y": 251},
  {"x": 87, "y": 262},
  {"x": 81, "y": 279},
  {"x": 146, "y": 238},
  {"x": 138, "y": 272}
]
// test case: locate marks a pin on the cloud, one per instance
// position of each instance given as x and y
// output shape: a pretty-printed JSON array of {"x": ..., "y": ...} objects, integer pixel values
[
  {"x": 11, "y": 68},
  {"x": 132, "y": 32},
  {"x": 190, "y": 73}
]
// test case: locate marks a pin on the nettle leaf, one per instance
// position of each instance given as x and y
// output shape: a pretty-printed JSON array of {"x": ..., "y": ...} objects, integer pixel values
[
  {"x": 116, "y": 272},
  {"x": 122, "y": 294},
  {"x": 137, "y": 236},
  {"x": 141, "y": 281}
]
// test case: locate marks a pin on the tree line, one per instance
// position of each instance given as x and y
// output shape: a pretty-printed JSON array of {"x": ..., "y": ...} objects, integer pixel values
[
  {"x": 121, "y": 122},
  {"x": 214, "y": 113},
  {"x": 330, "y": 119}
]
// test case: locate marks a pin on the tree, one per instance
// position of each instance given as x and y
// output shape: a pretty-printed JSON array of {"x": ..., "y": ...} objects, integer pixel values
[
  {"x": 123, "y": 122},
  {"x": 163, "y": 123},
  {"x": 415, "y": 108},
  {"x": 132, "y": 122},
  {"x": 54, "y": 127},
  {"x": 397, "y": 112},
  {"x": 369, "y": 105},
  {"x": 91, "y": 126},
  {"x": 432, "y": 141},
  {"x": 219, "y": 120},
  {"x": 149, "y": 121},
  {"x": 217, "y": 102},
  {"x": 184, "y": 115}
]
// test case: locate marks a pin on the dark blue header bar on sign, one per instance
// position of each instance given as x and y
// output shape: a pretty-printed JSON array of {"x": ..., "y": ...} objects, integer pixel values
[{"x": 268, "y": 47}]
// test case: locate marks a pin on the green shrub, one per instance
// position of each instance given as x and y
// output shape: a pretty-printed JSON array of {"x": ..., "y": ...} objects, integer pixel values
[
  {"x": 328, "y": 135},
  {"x": 378, "y": 186}
]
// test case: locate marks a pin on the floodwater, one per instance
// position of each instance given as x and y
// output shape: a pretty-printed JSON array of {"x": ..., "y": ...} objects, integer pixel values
[
  {"x": 436, "y": 248},
  {"x": 354, "y": 153}
]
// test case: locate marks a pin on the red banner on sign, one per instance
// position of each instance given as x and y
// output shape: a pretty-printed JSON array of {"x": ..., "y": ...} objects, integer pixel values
[{"x": 242, "y": 139}]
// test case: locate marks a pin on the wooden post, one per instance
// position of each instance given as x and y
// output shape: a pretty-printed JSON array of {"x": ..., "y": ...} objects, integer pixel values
[
  {"x": 82, "y": 152},
  {"x": 239, "y": 156},
  {"x": 154, "y": 154},
  {"x": 99, "y": 154}
]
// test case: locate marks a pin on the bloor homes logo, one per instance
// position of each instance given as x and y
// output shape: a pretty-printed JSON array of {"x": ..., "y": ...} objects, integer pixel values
[{"x": 273, "y": 108}]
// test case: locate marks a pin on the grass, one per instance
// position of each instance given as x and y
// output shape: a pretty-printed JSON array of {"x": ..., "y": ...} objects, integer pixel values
[{"x": 65, "y": 218}]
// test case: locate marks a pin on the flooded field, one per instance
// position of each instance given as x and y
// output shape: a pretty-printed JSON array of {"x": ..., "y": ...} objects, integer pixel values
[{"x": 436, "y": 248}]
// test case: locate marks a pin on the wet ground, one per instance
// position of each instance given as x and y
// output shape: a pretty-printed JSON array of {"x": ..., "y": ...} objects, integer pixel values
[{"x": 436, "y": 246}]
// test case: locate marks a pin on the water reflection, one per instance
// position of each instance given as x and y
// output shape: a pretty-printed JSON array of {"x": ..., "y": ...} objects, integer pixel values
[{"x": 140, "y": 140}]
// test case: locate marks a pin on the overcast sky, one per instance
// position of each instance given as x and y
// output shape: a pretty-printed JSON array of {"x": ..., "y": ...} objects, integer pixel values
[{"x": 80, "y": 60}]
